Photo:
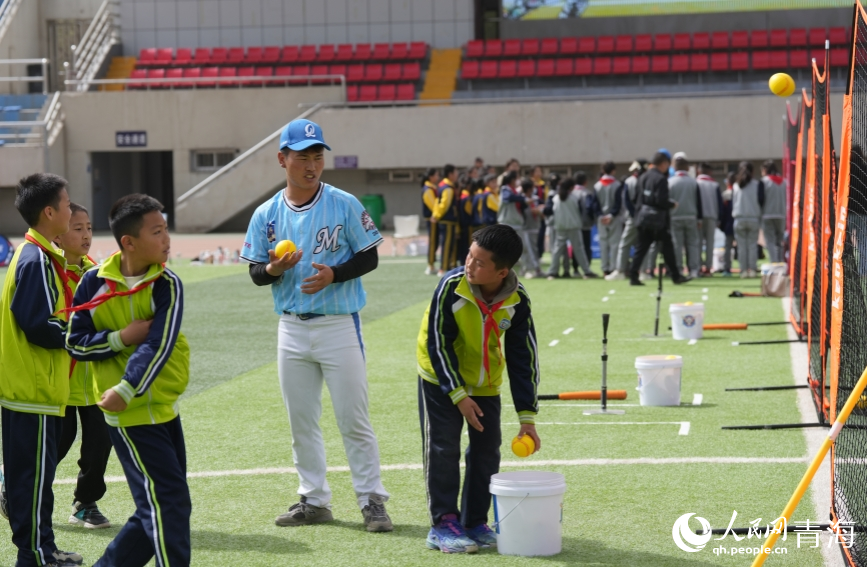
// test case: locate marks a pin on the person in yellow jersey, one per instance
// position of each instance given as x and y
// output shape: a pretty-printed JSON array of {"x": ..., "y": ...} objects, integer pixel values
[
  {"x": 445, "y": 216},
  {"x": 429, "y": 195},
  {"x": 486, "y": 203},
  {"x": 541, "y": 189},
  {"x": 465, "y": 215}
]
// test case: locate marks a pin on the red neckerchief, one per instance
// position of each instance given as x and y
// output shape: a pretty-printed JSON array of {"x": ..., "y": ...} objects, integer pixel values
[
  {"x": 112, "y": 292},
  {"x": 490, "y": 326},
  {"x": 681, "y": 173},
  {"x": 61, "y": 271},
  {"x": 704, "y": 177},
  {"x": 607, "y": 180},
  {"x": 776, "y": 179}
]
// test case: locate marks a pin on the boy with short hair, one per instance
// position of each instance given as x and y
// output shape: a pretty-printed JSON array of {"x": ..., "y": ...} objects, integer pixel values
[
  {"x": 34, "y": 369},
  {"x": 95, "y": 443},
  {"x": 126, "y": 321},
  {"x": 460, "y": 365},
  {"x": 609, "y": 193}
]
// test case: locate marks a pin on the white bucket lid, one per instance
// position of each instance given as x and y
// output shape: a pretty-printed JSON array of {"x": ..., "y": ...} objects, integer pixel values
[
  {"x": 523, "y": 483},
  {"x": 659, "y": 361},
  {"x": 692, "y": 307}
]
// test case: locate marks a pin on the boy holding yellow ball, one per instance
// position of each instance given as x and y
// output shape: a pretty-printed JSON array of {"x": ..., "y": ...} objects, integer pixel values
[{"x": 460, "y": 365}]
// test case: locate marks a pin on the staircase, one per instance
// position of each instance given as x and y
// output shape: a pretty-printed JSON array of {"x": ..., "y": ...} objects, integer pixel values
[
  {"x": 120, "y": 68},
  {"x": 7, "y": 14},
  {"x": 441, "y": 75}
]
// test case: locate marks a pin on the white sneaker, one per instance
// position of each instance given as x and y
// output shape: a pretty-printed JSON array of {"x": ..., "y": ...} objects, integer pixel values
[
  {"x": 614, "y": 276},
  {"x": 529, "y": 275},
  {"x": 429, "y": 271}
]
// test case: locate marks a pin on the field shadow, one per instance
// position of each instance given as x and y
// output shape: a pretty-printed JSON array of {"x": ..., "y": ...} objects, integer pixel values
[
  {"x": 222, "y": 541},
  {"x": 578, "y": 551},
  {"x": 411, "y": 531}
]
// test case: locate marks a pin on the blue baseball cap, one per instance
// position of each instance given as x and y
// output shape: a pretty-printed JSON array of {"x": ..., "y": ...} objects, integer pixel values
[
  {"x": 664, "y": 151},
  {"x": 300, "y": 135}
]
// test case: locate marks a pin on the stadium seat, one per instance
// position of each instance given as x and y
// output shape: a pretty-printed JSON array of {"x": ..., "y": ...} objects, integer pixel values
[
  {"x": 344, "y": 52},
  {"x": 387, "y": 92},
  {"x": 137, "y": 74},
  {"x": 475, "y": 49},
  {"x": 418, "y": 50},
  {"x": 373, "y": 72},
  {"x": 192, "y": 73},
  {"x": 740, "y": 39},
  {"x": 679, "y": 63},
  {"x": 838, "y": 36},
  {"x": 327, "y": 53},
  {"x": 798, "y": 59},
  {"x": 146, "y": 57},
  {"x": 662, "y": 42},
  {"x": 816, "y": 37},
  {"x": 660, "y": 64},
  {"x": 819, "y": 56},
  {"x": 367, "y": 93},
  {"x": 643, "y": 43},
  {"x": 247, "y": 72},
  {"x": 406, "y": 91},
  {"x": 512, "y": 48},
  {"x": 719, "y": 40},
  {"x": 382, "y": 52},
  {"x": 281, "y": 72},
  {"x": 682, "y": 42},
  {"x": 526, "y": 68},
  {"x": 623, "y": 44},
  {"x": 778, "y": 38},
  {"x": 164, "y": 56},
  {"x": 550, "y": 46},
  {"x": 254, "y": 55},
  {"x": 719, "y": 62},
  {"x": 508, "y": 69},
  {"x": 586, "y": 46},
  {"x": 392, "y": 72},
  {"x": 236, "y": 55},
  {"x": 605, "y": 44},
  {"x": 352, "y": 93},
  {"x": 157, "y": 74},
  {"x": 320, "y": 69},
  {"x": 530, "y": 47},
  {"x": 219, "y": 55},
  {"x": 602, "y": 66},
  {"x": 797, "y": 37},
  {"x": 759, "y": 39},
  {"x": 622, "y": 65},
  {"x": 228, "y": 74},
  {"x": 701, "y": 41},
  {"x": 740, "y": 61},
  {"x": 363, "y": 52},
  {"x": 469, "y": 70},
  {"x": 355, "y": 73},
  {"x": 301, "y": 71},
  {"x": 640, "y": 64},
  {"x": 488, "y": 70},
  {"x": 563, "y": 67},
  {"x": 307, "y": 54},
  {"x": 271, "y": 55},
  {"x": 840, "y": 57},
  {"x": 583, "y": 67},
  {"x": 412, "y": 71},
  {"x": 493, "y": 48},
  {"x": 761, "y": 60},
  {"x": 209, "y": 72},
  {"x": 289, "y": 54},
  {"x": 698, "y": 63},
  {"x": 337, "y": 69},
  {"x": 172, "y": 75},
  {"x": 201, "y": 57},
  {"x": 545, "y": 68},
  {"x": 183, "y": 57},
  {"x": 779, "y": 60},
  {"x": 399, "y": 52},
  {"x": 569, "y": 45}
]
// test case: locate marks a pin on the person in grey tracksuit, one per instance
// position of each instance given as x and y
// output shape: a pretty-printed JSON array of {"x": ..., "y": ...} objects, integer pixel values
[
  {"x": 565, "y": 212},
  {"x": 589, "y": 214},
  {"x": 511, "y": 213},
  {"x": 748, "y": 200},
  {"x": 774, "y": 211},
  {"x": 530, "y": 233},
  {"x": 609, "y": 194},
  {"x": 627, "y": 237},
  {"x": 683, "y": 190},
  {"x": 711, "y": 207}
]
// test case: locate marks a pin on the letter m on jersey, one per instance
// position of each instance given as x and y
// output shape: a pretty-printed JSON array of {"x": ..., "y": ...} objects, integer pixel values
[{"x": 327, "y": 240}]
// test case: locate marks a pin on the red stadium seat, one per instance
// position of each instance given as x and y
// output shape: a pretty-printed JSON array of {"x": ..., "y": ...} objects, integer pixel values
[
  {"x": 701, "y": 41},
  {"x": 399, "y": 52},
  {"x": 740, "y": 39},
  {"x": 740, "y": 61},
  {"x": 839, "y": 57},
  {"x": 526, "y": 68},
  {"x": 327, "y": 53},
  {"x": 417, "y": 50},
  {"x": 662, "y": 42},
  {"x": 382, "y": 52},
  {"x": 301, "y": 71},
  {"x": 586, "y": 45},
  {"x": 493, "y": 48},
  {"x": 264, "y": 72},
  {"x": 367, "y": 93},
  {"x": 475, "y": 49},
  {"x": 563, "y": 67},
  {"x": 512, "y": 48},
  {"x": 530, "y": 47},
  {"x": 320, "y": 69},
  {"x": 387, "y": 93},
  {"x": 545, "y": 68},
  {"x": 164, "y": 56},
  {"x": 819, "y": 56},
  {"x": 759, "y": 39},
  {"x": 719, "y": 40},
  {"x": 838, "y": 36},
  {"x": 146, "y": 57},
  {"x": 797, "y": 37},
  {"x": 761, "y": 60},
  {"x": 641, "y": 64},
  {"x": 602, "y": 66},
  {"x": 469, "y": 70},
  {"x": 719, "y": 62},
  {"x": 489, "y": 70},
  {"x": 138, "y": 74},
  {"x": 281, "y": 72},
  {"x": 605, "y": 44},
  {"x": 682, "y": 42},
  {"x": 392, "y": 72},
  {"x": 175, "y": 73},
  {"x": 236, "y": 55},
  {"x": 373, "y": 72},
  {"x": 192, "y": 73},
  {"x": 363, "y": 52},
  {"x": 643, "y": 43},
  {"x": 271, "y": 54},
  {"x": 406, "y": 91},
  {"x": 780, "y": 60},
  {"x": 254, "y": 56},
  {"x": 355, "y": 73},
  {"x": 219, "y": 55},
  {"x": 307, "y": 54},
  {"x": 698, "y": 62},
  {"x": 550, "y": 46},
  {"x": 202, "y": 56},
  {"x": 508, "y": 69},
  {"x": 798, "y": 59},
  {"x": 583, "y": 67},
  {"x": 183, "y": 57},
  {"x": 660, "y": 64},
  {"x": 337, "y": 69},
  {"x": 352, "y": 93},
  {"x": 679, "y": 63},
  {"x": 623, "y": 44},
  {"x": 209, "y": 72},
  {"x": 289, "y": 54},
  {"x": 816, "y": 37},
  {"x": 779, "y": 38},
  {"x": 227, "y": 76},
  {"x": 157, "y": 74},
  {"x": 412, "y": 71},
  {"x": 622, "y": 65},
  {"x": 344, "y": 52},
  {"x": 569, "y": 45}
]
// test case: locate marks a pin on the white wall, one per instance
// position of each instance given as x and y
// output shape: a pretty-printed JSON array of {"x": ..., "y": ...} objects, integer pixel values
[{"x": 21, "y": 41}]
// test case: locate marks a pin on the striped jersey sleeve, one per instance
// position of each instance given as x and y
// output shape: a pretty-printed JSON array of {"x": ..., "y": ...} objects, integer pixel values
[
  {"x": 35, "y": 299},
  {"x": 522, "y": 360},
  {"x": 442, "y": 333}
]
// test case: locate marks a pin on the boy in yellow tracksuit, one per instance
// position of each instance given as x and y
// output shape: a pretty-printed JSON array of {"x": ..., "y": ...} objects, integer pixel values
[
  {"x": 460, "y": 366},
  {"x": 126, "y": 321}
]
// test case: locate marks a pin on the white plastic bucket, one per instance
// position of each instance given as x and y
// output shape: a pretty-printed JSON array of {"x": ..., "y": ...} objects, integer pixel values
[
  {"x": 687, "y": 320},
  {"x": 659, "y": 379},
  {"x": 528, "y": 512}
]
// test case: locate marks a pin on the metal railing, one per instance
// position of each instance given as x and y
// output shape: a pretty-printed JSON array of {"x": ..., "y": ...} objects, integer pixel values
[
  {"x": 35, "y": 133},
  {"x": 43, "y": 79},
  {"x": 90, "y": 53},
  {"x": 7, "y": 13},
  {"x": 218, "y": 82}
]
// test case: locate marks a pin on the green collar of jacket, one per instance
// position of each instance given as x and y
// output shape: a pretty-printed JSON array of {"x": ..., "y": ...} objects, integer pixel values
[
  {"x": 110, "y": 270},
  {"x": 508, "y": 293},
  {"x": 55, "y": 252}
]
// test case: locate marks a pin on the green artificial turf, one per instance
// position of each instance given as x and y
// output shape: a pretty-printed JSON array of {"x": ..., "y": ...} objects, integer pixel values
[{"x": 614, "y": 514}]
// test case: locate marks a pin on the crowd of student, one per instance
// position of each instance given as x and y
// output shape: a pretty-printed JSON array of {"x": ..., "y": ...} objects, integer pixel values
[{"x": 558, "y": 215}]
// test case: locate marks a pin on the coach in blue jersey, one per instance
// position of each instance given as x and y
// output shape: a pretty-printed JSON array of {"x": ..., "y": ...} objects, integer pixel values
[{"x": 318, "y": 294}]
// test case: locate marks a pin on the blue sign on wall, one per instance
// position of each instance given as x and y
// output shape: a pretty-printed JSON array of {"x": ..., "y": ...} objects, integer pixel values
[
  {"x": 135, "y": 139},
  {"x": 345, "y": 162}
]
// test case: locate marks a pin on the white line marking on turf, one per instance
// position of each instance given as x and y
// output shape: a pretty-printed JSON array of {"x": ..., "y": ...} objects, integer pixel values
[
  {"x": 697, "y": 399},
  {"x": 553, "y": 343},
  {"x": 692, "y": 342},
  {"x": 704, "y": 298},
  {"x": 704, "y": 290},
  {"x": 684, "y": 425},
  {"x": 605, "y": 298},
  {"x": 569, "y": 330},
  {"x": 612, "y": 292},
  {"x": 684, "y": 428}
]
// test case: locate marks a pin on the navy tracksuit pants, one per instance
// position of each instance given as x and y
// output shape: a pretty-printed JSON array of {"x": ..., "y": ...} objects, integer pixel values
[
  {"x": 29, "y": 463},
  {"x": 441, "y": 427},
  {"x": 155, "y": 464}
]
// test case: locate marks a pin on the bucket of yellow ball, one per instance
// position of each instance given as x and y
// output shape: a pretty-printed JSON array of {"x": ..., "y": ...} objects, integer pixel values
[{"x": 782, "y": 84}]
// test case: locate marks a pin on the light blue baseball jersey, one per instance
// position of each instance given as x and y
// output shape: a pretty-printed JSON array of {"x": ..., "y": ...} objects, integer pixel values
[{"x": 329, "y": 230}]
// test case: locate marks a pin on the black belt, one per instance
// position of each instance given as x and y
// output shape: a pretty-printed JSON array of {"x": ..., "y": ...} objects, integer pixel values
[{"x": 304, "y": 316}]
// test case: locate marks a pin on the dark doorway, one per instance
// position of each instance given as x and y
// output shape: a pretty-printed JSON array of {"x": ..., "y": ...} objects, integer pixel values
[
  {"x": 487, "y": 19},
  {"x": 116, "y": 174}
]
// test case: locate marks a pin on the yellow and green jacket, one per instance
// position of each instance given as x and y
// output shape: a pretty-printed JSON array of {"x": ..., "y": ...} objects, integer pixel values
[
  {"x": 151, "y": 376},
  {"x": 81, "y": 386},
  {"x": 34, "y": 365},
  {"x": 451, "y": 343}
]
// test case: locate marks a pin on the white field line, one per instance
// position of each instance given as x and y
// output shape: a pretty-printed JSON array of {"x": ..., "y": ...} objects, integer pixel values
[
  {"x": 684, "y": 425},
  {"x": 569, "y": 330},
  {"x": 605, "y": 298},
  {"x": 553, "y": 343},
  {"x": 704, "y": 298},
  {"x": 697, "y": 399},
  {"x": 692, "y": 342},
  {"x": 684, "y": 428},
  {"x": 504, "y": 464}
]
